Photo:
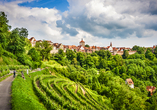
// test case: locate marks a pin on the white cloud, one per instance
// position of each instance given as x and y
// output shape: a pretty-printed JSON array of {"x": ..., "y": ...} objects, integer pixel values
[
  {"x": 40, "y": 22},
  {"x": 124, "y": 22}
]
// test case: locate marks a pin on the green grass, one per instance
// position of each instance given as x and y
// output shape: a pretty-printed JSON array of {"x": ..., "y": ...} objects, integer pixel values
[
  {"x": 8, "y": 61},
  {"x": 52, "y": 63},
  {"x": 23, "y": 95}
]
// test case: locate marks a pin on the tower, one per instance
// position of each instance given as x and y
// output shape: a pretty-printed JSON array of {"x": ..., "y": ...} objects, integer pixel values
[
  {"x": 82, "y": 43},
  {"x": 110, "y": 44}
]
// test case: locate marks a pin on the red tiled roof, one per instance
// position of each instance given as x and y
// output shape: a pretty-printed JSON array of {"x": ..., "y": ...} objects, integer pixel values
[
  {"x": 154, "y": 46},
  {"x": 93, "y": 47},
  {"x": 39, "y": 41},
  {"x": 108, "y": 46},
  {"x": 81, "y": 41},
  {"x": 129, "y": 81},
  {"x": 150, "y": 89},
  {"x": 32, "y": 39}
]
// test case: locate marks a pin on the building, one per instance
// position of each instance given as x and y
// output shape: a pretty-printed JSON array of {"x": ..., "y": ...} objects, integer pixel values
[
  {"x": 82, "y": 43},
  {"x": 129, "y": 82},
  {"x": 82, "y": 48},
  {"x": 151, "y": 89},
  {"x": 33, "y": 41}
]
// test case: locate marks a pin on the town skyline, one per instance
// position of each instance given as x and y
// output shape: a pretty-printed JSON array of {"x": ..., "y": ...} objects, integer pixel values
[
  {"x": 98, "y": 22},
  {"x": 93, "y": 45}
]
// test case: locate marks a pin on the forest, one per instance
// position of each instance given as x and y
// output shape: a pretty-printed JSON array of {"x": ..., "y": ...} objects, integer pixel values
[{"x": 101, "y": 72}]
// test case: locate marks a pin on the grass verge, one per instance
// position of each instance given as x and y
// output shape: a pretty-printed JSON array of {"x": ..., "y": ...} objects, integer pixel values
[{"x": 23, "y": 95}]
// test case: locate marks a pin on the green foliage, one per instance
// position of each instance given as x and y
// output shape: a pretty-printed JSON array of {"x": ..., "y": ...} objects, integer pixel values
[
  {"x": 34, "y": 54},
  {"x": 136, "y": 56},
  {"x": 149, "y": 54},
  {"x": 87, "y": 45},
  {"x": 140, "y": 50},
  {"x": 125, "y": 54},
  {"x": 16, "y": 43},
  {"x": 44, "y": 48},
  {"x": 155, "y": 51},
  {"x": 1, "y": 52},
  {"x": 23, "y": 95},
  {"x": 8, "y": 61},
  {"x": 80, "y": 58},
  {"x": 4, "y": 28},
  {"x": 89, "y": 63},
  {"x": 9, "y": 54},
  {"x": 70, "y": 54},
  {"x": 103, "y": 64}
]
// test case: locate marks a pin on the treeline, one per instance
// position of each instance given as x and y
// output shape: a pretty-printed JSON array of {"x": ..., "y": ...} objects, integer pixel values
[{"x": 14, "y": 44}]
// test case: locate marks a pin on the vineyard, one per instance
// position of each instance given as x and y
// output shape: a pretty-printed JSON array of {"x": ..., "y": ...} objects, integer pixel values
[
  {"x": 7, "y": 69},
  {"x": 61, "y": 93}
]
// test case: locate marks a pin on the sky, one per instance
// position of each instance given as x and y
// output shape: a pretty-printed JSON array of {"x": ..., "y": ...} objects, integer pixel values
[{"x": 125, "y": 23}]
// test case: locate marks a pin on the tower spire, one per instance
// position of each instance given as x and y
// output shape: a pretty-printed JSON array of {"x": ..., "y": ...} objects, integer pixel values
[{"x": 111, "y": 44}]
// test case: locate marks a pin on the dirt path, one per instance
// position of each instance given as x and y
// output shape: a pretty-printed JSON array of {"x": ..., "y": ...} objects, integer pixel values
[
  {"x": 76, "y": 88},
  {"x": 5, "y": 91},
  {"x": 84, "y": 92}
]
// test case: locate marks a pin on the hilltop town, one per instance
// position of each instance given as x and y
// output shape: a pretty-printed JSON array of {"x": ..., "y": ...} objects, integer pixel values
[{"x": 82, "y": 48}]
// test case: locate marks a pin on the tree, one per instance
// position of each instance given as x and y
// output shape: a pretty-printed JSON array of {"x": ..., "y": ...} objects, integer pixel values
[
  {"x": 60, "y": 56},
  {"x": 89, "y": 63},
  {"x": 34, "y": 54},
  {"x": 135, "y": 47},
  {"x": 16, "y": 43},
  {"x": 141, "y": 50},
  {"x": 4, "y": 29},
  {"x": 70, "y": 54},
  {"x": 149, "y": 55},
  {"x": 102, "y": 53},
  {"x": 125, "y": 54},
  {"x": 108, "y": 54},
  {"x": 80, "y": 58},
  {"x": 94, "y": 54},
  {"x": 1, "y": 50},
  {"x": 44, "y": 48},
  {"x": 74, "y": 61},
  {"x": 103, "y": 64},
  {"x": 23, "y": 32},
  {"x": 155, "y": 51},
  {"x": 87, "y": 45},
  {"x": 96, "y": 61}
]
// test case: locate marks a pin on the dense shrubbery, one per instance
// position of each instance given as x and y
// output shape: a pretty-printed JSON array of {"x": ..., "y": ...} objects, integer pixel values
[
  {"x": 15, "y": 45},
  {"x": 106, "y": 74}
]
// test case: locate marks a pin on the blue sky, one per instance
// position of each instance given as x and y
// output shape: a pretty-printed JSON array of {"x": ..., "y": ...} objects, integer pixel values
[
  {"x": 125, "y": 23},
  {"x": 61, "y": 5}
]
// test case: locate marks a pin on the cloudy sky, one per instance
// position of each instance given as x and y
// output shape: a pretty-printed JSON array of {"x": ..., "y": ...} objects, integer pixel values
[{"x": 98, "y": 22}]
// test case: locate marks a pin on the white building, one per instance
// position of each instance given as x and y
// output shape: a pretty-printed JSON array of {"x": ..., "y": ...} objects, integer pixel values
[{"x": 129, "y": 82}]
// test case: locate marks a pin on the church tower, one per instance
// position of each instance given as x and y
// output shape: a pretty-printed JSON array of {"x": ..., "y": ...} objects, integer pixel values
[
  {"x": 110, "y": 44},
  {"x": 82, "y": 43}
]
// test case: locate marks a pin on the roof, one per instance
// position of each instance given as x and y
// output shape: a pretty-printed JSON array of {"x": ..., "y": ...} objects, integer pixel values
[
  {"x": 82, "y": 41},
  {"x": 39, "y": 41},
  {"x": 150, "y": 89},
  {"x": 49, "y": 41},
  {"x": 154, "y": 46},
  {"x": 32, "y": 39},
  {"x": 129, "y": 81}
]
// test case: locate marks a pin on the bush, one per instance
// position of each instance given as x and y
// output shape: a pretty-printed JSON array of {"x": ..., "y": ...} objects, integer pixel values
[{"x": 9, "y": 54}]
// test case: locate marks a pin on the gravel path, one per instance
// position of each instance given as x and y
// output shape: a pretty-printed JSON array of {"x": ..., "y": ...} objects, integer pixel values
[{"x": 5, "y": 93}]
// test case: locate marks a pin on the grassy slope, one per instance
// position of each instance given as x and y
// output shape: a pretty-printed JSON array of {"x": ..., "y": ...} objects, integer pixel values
[
  {"x": 23, "y": 96},
  {"x": 8, "y": 61}
]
